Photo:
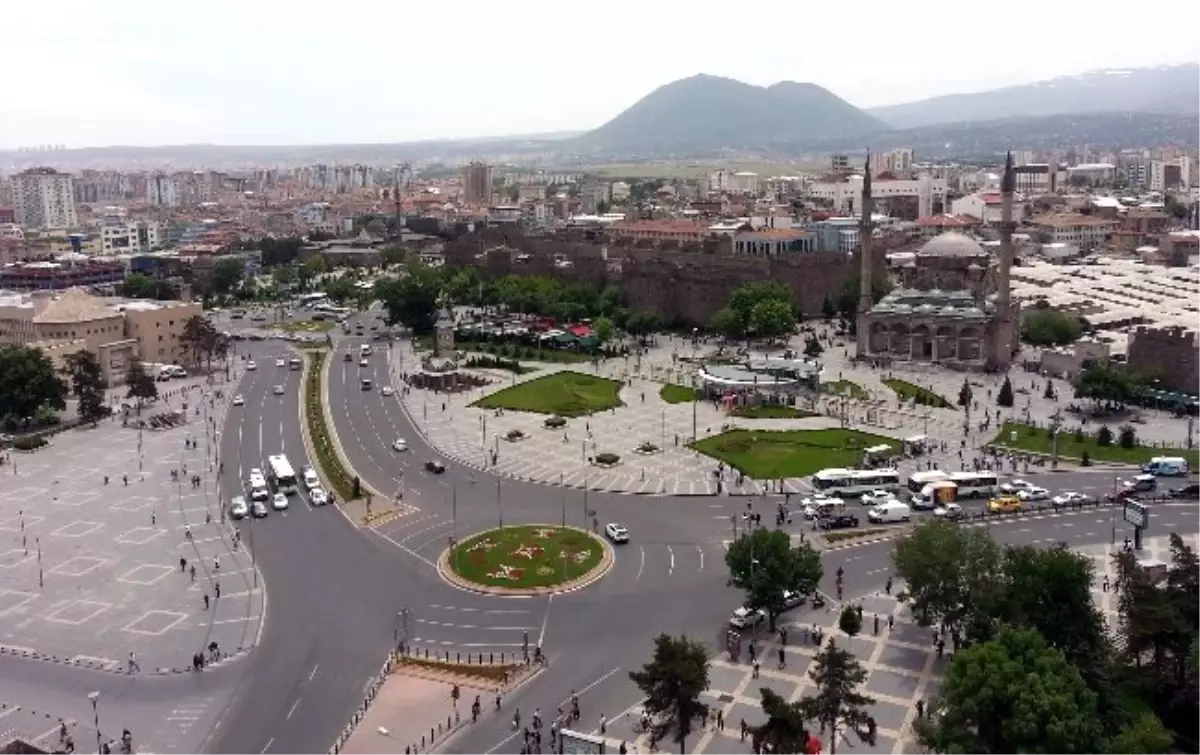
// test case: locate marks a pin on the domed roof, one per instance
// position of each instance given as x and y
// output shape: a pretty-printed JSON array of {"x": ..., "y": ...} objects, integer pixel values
[{"x": 951, "y": 244}]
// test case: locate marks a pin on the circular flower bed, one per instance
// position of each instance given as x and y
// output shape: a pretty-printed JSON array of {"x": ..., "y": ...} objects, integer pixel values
[
  {"x": 526, "y": 556},
  {"x": 514, "y": 435},
  {"x": 554, "y": 422},
  {"x": 607, "y": 459},
  {"x": 648, "y": 448}
]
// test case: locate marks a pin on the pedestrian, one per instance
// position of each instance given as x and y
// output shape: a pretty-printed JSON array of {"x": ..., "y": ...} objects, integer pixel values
[
  {"x": 891, "y": 622},
  {"x": 1105, "y": 585},
  {"x": 744, "y": 728},
  {"x": 182, "y": 564},
  {"x": 205, "y": 601},
  {"x": 755, "y": 673},
  {"x": 888, "y": 587},
  {"x": 217, "y": 588},
  {"x": 133, "y": 664},
  {"x": 216, "y": 563},
  {"x": 187, "y": 533},
  {"x": 782, "y": 659},
  {"x": 192, "y": 569},
  {"x": 603, "y": 724},
  {"x": 153, "y": 518},
  {"x": 721, "y": 719},
  {"x": 920, "y": 709}
]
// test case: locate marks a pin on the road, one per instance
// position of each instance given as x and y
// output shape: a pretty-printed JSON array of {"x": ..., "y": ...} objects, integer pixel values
[{"x": 335, "y": 589}]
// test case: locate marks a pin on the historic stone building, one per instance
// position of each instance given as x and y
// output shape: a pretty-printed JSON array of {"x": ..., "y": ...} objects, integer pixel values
[{"x": 953, "y": 305}]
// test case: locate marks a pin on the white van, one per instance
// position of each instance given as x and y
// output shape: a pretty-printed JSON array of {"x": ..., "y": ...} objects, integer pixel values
[
  {"x": 891, "y": 511},
  {"x": 1167, "y": 466},
  {"x": 934, "y": 494},
  {"x": 258, "y": 486}
]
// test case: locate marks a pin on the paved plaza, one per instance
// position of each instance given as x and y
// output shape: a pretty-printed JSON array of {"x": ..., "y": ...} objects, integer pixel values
[{"x": 91, "y": 572}]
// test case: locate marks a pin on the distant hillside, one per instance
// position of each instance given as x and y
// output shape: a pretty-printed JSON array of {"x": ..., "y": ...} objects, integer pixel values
[
  {"x": 708, "y": 114},
  {"x": 1163, "y": 89}
]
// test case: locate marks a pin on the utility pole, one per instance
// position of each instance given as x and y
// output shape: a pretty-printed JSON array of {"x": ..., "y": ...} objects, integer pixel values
[
  {"x": 563, "y": 490},
  {"x": 499, "y": 504}
]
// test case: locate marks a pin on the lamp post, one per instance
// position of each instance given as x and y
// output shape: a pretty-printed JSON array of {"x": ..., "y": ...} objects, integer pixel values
[
  {"x": 95, "y": 698},
  {"x": 563, "y": 490},
  {"x": 499, "y": 505}
]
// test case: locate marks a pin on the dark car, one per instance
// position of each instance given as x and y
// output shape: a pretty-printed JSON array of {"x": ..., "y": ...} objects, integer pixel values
[
  {"x": 1187, "y": 491},
  {"x": 839, "y": 521},
  {"x": 434, "y": 466}
]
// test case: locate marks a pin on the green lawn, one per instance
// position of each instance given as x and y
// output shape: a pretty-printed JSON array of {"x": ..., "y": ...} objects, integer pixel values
[
  {"x": 677, "y": 394},
  {"x": 771, "y": 411},
  {"x": 770, "y": 454},
  {"x": 847, "y": 387},
  {"x": 567, "y": 394},
  {"x": 302, "y": 326},
  {"x": 924, "y": 396},
  {"x": 1038, "y": 440},
  {"x": 526, "y": 556}
]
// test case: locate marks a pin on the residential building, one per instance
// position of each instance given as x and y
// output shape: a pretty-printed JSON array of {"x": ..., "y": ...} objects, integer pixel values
[
  {"x": 1085, "y": 231},
  {"x": 847, "y": 196},
  {"x": 898, "y": 162},
  {"x": 129, "y": 238},
  {"x": 984, "y": 206},
  {"x": 162, "y": 191},
  {"x": 477, "y": 183},
  {"x": 681, "y": 231},
  {"x": 44, "y": 198},
  {"x": 773, "y": 242}
]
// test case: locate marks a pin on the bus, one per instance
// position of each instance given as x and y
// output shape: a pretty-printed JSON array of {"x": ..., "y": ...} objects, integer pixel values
[
  {"x": 918, "y": 480},
  {"x": 312, "y": 300},
  {"x": 853, "y": 482},
  {"x": 329, "y": 309},
  {"x": 975, "y": 484},
  {"x": 282, "y": 474}
]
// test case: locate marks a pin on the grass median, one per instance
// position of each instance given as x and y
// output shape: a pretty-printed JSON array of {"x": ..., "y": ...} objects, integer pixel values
[
  {"x": 323, "y": 447},
  {"x": 565, "y": 394},
  {"x": 775, "y": 454}
]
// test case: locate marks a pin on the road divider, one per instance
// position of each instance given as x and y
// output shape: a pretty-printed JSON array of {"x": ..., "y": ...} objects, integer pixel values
[{"x": 325, "y": 452}]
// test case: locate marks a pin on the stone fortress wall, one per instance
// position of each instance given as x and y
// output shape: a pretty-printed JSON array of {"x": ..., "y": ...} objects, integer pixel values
[{"x": 1150, "y": 349}]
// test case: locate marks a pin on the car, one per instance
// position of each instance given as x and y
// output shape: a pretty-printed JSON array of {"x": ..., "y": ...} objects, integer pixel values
[
  {"x": 278, "y": 390},
  {"x": 311, "y": 481},
  {"x": 1033, "y": 493},
  {"x": 1187, "y": 491},
  {"x": 363, "y": 362},
  {"x": 238, "y": 508},
  {"x": 251, "y": 365},
  {"x": 238, "y": 400},
  {"x": 818, "y": 507},
  {"x": 616, "y": 533},
  {"x": 366, "y": 384},
  {"x": 279, "y": 502},
  {"x": 948, "y": 511},
  {"x": 744, "y": 618},
  {"x": 386, "y": 390},
  {"x": 318, "y": 497},
  {"x": 876, "y": 496},
  {"x": 1011, "y": 488},
  {"x": 258, "y": 509},
  {"x": 1005, "y": 504},
  {"x": 281, "y": 362},
  {"x": 347, "y": 357},
  {"x": 792, "y": 599},
  {"x": 1069, "y": 498},
  {"x": 838, "y": 521},
  {"x": 399, "y": 444},
  {"x": 435, "y": 466}
]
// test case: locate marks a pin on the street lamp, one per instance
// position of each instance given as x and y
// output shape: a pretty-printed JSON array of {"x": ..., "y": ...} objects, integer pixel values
[{"x": 95, "y": 698}]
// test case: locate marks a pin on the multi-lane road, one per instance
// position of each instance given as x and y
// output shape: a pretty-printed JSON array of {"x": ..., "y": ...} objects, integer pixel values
[{"x": 336, "y": 590}]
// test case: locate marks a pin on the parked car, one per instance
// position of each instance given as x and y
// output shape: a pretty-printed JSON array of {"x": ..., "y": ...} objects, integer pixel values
[
  {"x": 744, "y": 618},
  {"x": 318, "y": 497},
  {"x": 792, "y": 599},
  {"x": 616, "y": 533},
  {"x": 434, "y": 466}
]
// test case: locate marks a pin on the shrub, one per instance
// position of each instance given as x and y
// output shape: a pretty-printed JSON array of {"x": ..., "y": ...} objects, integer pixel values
[
  {"x": 1079, "y": 435},
  {"x": 648, "y": 448},
  {"x": 1005, "y": 396},
  {"x": 554, "y": 422},
  {"x": 514, "y": 434},
  {"x": 1086, "y": 460},
  {"x": 607, "y": 458},
  {"x": 1104, "y": 437},
  {"x": 29, "y": 442},
  {"x": 850, "y": 621},
  {"x": 1128, "y": 437}
]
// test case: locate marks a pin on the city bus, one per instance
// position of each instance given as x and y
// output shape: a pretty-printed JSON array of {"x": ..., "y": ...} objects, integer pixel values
[
  {"x": 918, "y": 480},
  {"x": 975, "y": 484},
  {"x": 855, "y": 482},
  {"x": 312, "y": 300},
  {"x": 282, "y": 475},
  {"x": 333, "y": 311}
]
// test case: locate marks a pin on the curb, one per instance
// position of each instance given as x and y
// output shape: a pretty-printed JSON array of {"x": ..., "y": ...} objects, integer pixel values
[
  {"x": 600, "y": 571},
  {"x": 116, "y": 667},
  {"x": 331, "y": 428}
]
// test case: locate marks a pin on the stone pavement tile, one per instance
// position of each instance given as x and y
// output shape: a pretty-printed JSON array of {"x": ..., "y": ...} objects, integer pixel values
[
  {"x": 909, "y": 659},
  {"x": 892, "y": 684},
  {"x": 751, "y": 713},
  {"x": 406, "y": 708},
  {"x": 913, "y": 634},
  {"x": 724, "y": 679},
  {"x": 721, "y": 743},
  {"x": 889, "y": 716},
  {"x": 785, "y": 687}
]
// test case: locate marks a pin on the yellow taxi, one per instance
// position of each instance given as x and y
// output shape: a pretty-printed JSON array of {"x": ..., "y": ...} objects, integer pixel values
[{"x": 1004, "y": 504}]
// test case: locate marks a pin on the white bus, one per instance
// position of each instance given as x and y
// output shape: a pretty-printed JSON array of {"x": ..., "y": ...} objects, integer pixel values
[
  {"x": 330, "y": 309},
  {"x": 855, "y": 482},
  {"x": 918, "y": 480},
  {"x": 975, "y": 484},
  {"x": 282, "y": 474},
  {"x": 312, "y": 300}
]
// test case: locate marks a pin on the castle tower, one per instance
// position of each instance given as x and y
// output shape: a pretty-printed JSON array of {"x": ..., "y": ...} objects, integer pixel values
[
  {"x": 865, "y": 229},
  {"x": 1005, "y": 332}
]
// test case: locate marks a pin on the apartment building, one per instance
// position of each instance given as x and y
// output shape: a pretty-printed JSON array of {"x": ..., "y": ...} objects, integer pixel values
[
  {"x": 477, "y": 184},
  {"x": 1069, "y": 228},
  {"x": 44, "y": 198},
  {"x": 134, "y": 237},
  {"x": 162, "y": 191}
]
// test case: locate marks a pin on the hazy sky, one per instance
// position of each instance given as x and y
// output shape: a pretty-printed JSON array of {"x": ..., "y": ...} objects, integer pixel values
[{"x": 104, "y": 72}]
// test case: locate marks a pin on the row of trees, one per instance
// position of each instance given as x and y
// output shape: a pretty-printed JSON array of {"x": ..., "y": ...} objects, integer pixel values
[{"x": 762, "y": 309}]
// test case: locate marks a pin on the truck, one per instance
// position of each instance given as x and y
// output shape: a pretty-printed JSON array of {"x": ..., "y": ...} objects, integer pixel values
[{"x": 935, "y": 494}]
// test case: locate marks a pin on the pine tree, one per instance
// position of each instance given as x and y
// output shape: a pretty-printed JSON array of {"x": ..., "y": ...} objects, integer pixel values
[
  {"x": 838, "y": 675},
  {"x": 1005, "y": 397},
  {"x": 964, "y": 394}
]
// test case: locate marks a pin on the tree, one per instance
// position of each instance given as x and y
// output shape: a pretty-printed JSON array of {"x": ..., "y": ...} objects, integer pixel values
[
  {"x": 1101, "y": 383},
  {"x": 393, "y": 255},
  {"x": 1049, "y": 327},
  {"x": 644, "y": 322},
  {"x": 199, "y": 337},
  {"x": 951, "y": 573},
  {"x": 140, "y": 382},
  {"x": 1144, "y": 734},
  {"x": 813, "y": 347},
  {"x": 672, "y": 683},
  {"x": 87, "y": 384},
  {"x": 28, "y": 382},
  {"x": 602, "y": 328},
  {"x": 1005, "y": 396},
  {"x": 411, "y": 300},
  {"x": 850, "y": 621},
  {"x": 837, "y": 675},
  {"x": 764, "y": 564},
  {"x": 139, "y": 286},
  {"x": 847, "y": 299},
  {"x": 784, "y": 729},
  {"x": 1127, "y": 437},
  {"x": 772, "y": 318},
  {"x": 964, "y": 394},
  {"x": 750, "y": 295},
  {"x": 828, "y": 310},
  {"x": 283, "y": 251},
  {"x": 226, "y": 274},
  {"x": 1013, "y": 694},
  {"x": 1104, "y": 436},
  {"x": 726, "y": 322}
]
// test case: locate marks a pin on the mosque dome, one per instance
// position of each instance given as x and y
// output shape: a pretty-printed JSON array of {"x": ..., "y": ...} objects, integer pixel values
[{"x": 951, "y": 244}]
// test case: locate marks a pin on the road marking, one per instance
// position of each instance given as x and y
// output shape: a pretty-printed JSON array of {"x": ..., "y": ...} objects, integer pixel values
[
  {"x": 566, "y": 700},
  {"x": 545, "y": 620},
  {"x": 478, "y": 610},
  {"x": 701, "y": 552},
  {"x": 671, "y": 566},
  {"x": 292, "y": 710},
  {"x": 314, "y": 672},
  {"x": 267, "y": 746},
  {"x": 1026, "y": 529},
  {"x": 471, "y": 626}
]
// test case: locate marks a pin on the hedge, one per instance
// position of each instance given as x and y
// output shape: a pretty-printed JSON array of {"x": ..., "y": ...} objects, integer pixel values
[{"x": 327, "y": 457}]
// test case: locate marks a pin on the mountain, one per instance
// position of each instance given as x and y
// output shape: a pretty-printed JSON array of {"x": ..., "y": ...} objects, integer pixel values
[
  {"x": 708, "y": 114},
  {"x": 1163, "y": 89}
]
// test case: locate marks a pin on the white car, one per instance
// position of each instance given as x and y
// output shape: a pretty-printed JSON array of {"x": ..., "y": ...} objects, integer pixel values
[
  {"x": 251, "y": 365},
  {"x": 281, "y": 362},
  {"x": 238, "y": 400},
  {"x": 1069, "y": 498},
  {"x": 1033, "y": 493},
  {"x": 386, "y": 390},
  {"x": 744, "y": 618},
  {"x": 948, "y": 511},
  {"x": 311, "y": 481},
  {"x": 318, "y": 497},
  {"x": 400, "y": 444},
  {"x": 876, "y": 496},
  {"x": 279, "y": 502},
  {"x": 1015, "y": 486},
  {"x": 363, "y": 363},
  {"x": 792, "y": 599},
  {"x": 616, "y": 533},
  {"x": 238, "y": 509},
  {"x": 279, "y": 390}
]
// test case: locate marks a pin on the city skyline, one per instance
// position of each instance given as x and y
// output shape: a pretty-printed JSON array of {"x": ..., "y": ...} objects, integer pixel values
[{"x": 405, "y": 74}]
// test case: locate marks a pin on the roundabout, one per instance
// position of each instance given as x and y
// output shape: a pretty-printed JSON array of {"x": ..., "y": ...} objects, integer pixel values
[{"x": 526, "y": 560}]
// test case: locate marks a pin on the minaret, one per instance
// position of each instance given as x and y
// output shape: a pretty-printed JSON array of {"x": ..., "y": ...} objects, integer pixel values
[
  {"x": 1005, "y": 332},
  {"x": 865, "y": 229}
]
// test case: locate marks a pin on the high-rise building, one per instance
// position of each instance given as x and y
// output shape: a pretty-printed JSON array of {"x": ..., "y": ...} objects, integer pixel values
[
  {"x": 44, "y": 198},
  {"x": 162, "y": 191},
  {"x": 477, "y": 183}
]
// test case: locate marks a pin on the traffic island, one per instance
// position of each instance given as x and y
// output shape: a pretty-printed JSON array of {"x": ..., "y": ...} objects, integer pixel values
[{"x": 534, "y": 559}]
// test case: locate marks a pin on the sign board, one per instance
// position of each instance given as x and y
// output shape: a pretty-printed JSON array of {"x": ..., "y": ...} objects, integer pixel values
[
  {"x": 1136, "y": 514},
  {"x": 578, "y": 743}
]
